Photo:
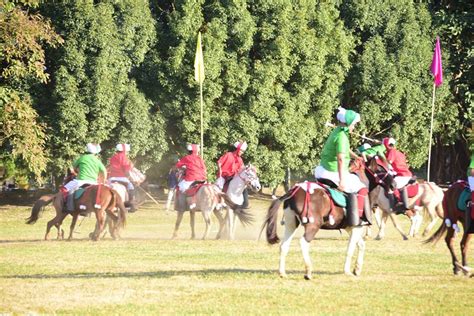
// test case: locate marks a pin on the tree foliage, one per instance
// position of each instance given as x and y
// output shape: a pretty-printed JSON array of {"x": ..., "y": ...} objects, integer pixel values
[{"x": 22, "y": 57}]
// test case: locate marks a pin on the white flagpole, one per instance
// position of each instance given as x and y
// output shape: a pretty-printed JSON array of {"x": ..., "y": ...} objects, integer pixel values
[
  {"x": 431, "y": 133},
  {"x": 202, "y": 124}
]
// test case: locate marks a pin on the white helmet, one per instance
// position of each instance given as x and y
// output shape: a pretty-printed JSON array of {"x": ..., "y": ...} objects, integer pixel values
[{"x": 93, "y": 148}]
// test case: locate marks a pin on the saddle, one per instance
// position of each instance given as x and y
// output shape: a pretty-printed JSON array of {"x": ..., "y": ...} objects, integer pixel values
[
  {"x": 464, "y": 197},
  {"x": 194, "y": 188}
]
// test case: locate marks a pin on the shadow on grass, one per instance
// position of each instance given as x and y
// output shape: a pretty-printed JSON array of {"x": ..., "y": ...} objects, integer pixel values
[{"x": 159, "y": 274}]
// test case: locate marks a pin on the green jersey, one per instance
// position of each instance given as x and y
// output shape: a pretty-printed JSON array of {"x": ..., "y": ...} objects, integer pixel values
[
  {"x": 337, "y": 143},
  {"x": 376, "y": 150},
  {"x": 89, "y": 167}
]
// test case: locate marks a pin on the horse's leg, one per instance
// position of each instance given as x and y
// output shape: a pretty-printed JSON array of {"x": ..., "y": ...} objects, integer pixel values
[
  {"x": 433, "y": 217},
  {"x": 450, "y": 243},
  {"x": 73, "y": 224},
  {"x": 395, "y": 223},
  {"x": 57, "y": 220},
  {"x": 361, "y": 247},
  {"x": 464, "y": 250},
  {"x": 383, "y": 223},
  {"x": 230, "y": 222},
  {"x": 192, "y": 220},
  {"x": 290, "y": 229},
  {"x": 234, "y": 226},
  {"x": 354, "y": 236},
  {"x": 179, "y": 218},
  {"x": 207, "y": 219},
  {"x": 100, "y": 216},
  {"x": 220, "y": 218}
]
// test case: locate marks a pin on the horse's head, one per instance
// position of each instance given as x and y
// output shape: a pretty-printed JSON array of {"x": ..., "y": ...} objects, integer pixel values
[
  {"x": 249, "y": 175},
  {"x": 357, "y": 167},
  {"x": 379, "y": 175}
]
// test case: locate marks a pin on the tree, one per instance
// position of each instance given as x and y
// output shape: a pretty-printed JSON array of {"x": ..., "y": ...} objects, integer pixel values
[
  {"x": 23, "y": 35},
  {"x": 273, "y": 74},
  {"x": 94, "y": 93},
  {"x": 390, "y": 83}
]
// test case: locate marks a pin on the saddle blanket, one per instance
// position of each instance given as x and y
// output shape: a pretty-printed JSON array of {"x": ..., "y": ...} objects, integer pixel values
[
  {"x": 412, "y": 191},
  {"x": 464, "y": 197},
  {"x": 194, "y": 188},
  {"x": 337, "y": 196}
]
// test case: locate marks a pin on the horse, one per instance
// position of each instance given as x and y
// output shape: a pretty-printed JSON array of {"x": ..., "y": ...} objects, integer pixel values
[
  {"x": 452, "y": 215},
  {"x": 210, "y": 199},
  {"x": 319, "y": 203},
  {"x": 246, "y": 178},
  {"x": 429, "y": 194},
  {"x": 108, "y": 198}
]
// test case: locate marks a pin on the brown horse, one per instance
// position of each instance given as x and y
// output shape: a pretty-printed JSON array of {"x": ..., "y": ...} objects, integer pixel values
[
  {"x": 319, "y": 204},
  {"x": 109, "y": 201},
  {"x": 452, "y": 216}
]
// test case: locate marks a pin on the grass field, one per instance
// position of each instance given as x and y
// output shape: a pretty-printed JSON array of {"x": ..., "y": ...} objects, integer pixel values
[{"x": 147, "y": 273}]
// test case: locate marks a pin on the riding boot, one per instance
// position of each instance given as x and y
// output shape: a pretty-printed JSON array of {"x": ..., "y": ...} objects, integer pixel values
[
  {"x": 404, "y": 194},
  {"x": 352, "y": 210},
  {"x": 70, "y": 202},
  {"x": 132, "y": 201},
  {"x": 245, "y": 204},
  {"x": 402, "y": 206},
  {"x": 367, "y": 210}
]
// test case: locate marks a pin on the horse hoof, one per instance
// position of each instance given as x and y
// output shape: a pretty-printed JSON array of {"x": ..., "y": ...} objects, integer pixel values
[
  {"x": 283, "y": 275},
  {"x": 405, "y": 238},
  {"x": 349, "y": 273},
  {"x": 378, "y": 238},
  {"x": 357, "y": 272},
  {"x": 307, "y": 277}
]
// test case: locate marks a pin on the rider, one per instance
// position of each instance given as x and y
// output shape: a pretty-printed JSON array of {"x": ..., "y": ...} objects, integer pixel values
[
  {"x": 194, "y": 170},
  {"x": 229, "y": 165},
  {"x": 118, "y": 169},
  {"x": 399, "y": 168},
  {"x": 335, "y": 158},
  {"x": 88, "y": 168}
]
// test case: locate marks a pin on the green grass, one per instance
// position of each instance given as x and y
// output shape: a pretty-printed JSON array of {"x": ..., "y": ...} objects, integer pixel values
[{"x": 147, "y": 273}]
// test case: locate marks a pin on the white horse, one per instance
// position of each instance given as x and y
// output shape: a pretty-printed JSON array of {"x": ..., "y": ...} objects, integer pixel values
[
  {"x": 431, "y": 197},
  {"x": 245, "y": 178}
]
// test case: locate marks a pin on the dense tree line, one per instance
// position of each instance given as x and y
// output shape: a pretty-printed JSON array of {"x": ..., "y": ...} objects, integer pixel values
[{"x": 276, "y": 71}]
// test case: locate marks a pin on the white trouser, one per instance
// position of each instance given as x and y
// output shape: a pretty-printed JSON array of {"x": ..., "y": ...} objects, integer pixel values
[
  {"x": 72, "y": 185},
  {"x": 353, "y": 183},
  {"x": 183, "y": 185},
  {"x": 471, "y": 183},
  {"x": 124, "y": 180},
  {"x": 400, "y": 181},
  {"x": 220, "y": 182}
]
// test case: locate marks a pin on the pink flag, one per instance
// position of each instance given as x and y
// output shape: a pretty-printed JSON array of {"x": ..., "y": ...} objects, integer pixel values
[{"x": 436, "y": 66}]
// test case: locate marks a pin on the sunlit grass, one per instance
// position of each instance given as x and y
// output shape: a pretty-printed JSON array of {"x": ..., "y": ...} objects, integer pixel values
[{"x": 147, "y": 273}]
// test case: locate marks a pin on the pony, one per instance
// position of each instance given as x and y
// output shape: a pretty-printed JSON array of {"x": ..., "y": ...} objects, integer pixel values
[
  {"x": 429, "y": 194},
  {"x": 210, "y": 199},
  {"x": 449, "y": 227},
  {"x": 109, "y": 200},
  {"x": 246, "y": 178},
  {"x": 320, "y": 204}
]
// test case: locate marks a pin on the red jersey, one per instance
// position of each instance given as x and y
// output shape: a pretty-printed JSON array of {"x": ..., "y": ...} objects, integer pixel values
[
  {"x": 230, "y": 164},
  {"x": 195, "y": 167},
  {"x": 399, "y": 162},
  {"x": 119, "y": 165}
]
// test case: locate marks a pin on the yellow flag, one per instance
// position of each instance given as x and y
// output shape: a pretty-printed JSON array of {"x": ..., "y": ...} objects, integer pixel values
[{"x": 199, "y": 62}]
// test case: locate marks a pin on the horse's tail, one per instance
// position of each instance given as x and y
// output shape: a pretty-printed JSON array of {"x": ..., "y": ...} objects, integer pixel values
[
  {"x": 437, "y": 235},
  {"x": 272, "y": 217},
  {"x": 38, "y": 207},
  {"x": 122, "y": 212},
  {"x": 245, "y": 217}
]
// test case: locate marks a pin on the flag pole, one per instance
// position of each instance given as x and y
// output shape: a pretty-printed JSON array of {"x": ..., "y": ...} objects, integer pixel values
[
  {"x": 431, "y": 133},
  {"x": 202, "y": 124}
]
